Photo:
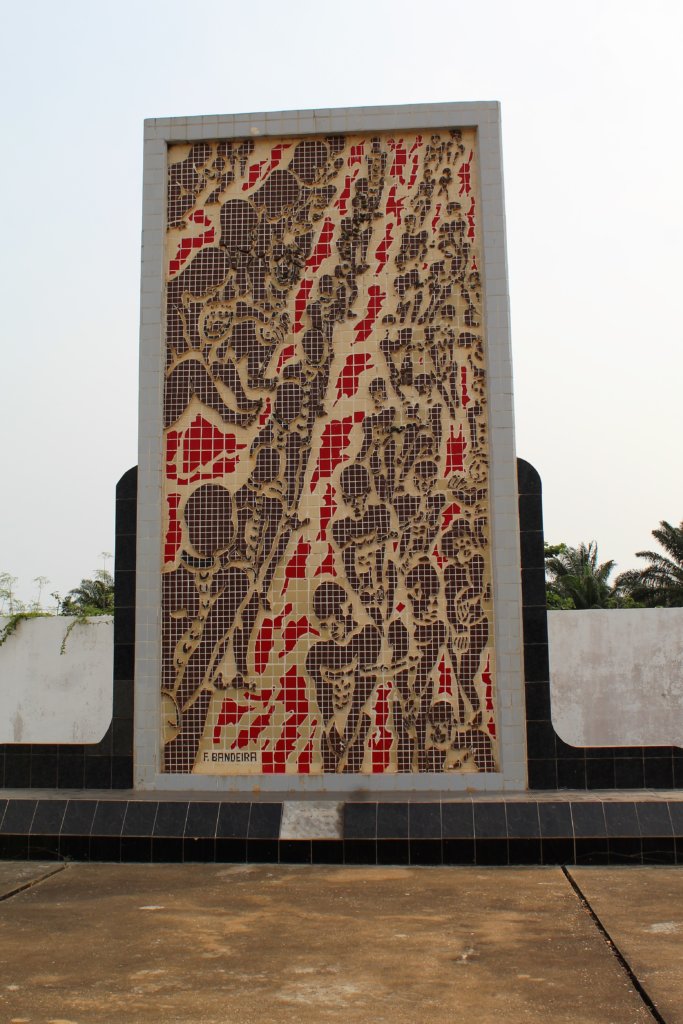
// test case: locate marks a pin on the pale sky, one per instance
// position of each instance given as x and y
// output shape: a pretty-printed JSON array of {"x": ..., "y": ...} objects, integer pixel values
[{"x": 592, "y": 97}]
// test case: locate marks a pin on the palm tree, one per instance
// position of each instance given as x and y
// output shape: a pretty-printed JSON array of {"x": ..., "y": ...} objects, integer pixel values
[
  {"x": 575, "y": 578},
  {"x": 659, "y": 584},
  {"x": 92, "y": 597}
]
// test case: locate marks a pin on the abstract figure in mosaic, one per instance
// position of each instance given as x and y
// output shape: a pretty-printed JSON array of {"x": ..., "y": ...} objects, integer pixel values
[{"x": 326, "y": 584}]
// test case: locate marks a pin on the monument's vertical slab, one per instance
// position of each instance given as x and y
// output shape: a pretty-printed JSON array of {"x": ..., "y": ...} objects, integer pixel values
[{"x": 328, "y": 564}]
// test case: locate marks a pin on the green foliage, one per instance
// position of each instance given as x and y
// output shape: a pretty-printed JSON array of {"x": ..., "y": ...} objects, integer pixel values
[
  {"x": 14, "y": 620},
  {"x": 575, "y": 579},
  {"x": 660, "y": 583},
  {"x": 92, "y": 597}
]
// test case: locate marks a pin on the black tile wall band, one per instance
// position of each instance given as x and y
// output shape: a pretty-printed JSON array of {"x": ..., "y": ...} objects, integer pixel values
[
  {"x": 479, "y": 832},
  {"x": 109, "y": 763},
  {"x": 553, "y": 764}
]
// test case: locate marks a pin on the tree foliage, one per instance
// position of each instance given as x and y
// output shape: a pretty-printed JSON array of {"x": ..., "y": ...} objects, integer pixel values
[
  {"x": 660, "y": 583},
  {"x": 575, "y": 579},
  {"x": 91, "y": 597}
]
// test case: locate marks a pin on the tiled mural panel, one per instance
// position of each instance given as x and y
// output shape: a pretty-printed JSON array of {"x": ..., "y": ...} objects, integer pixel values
[{"x": 326, "y": 565}]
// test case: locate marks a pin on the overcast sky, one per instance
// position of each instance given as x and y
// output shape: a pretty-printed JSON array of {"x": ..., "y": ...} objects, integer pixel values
[{"x": 591, "y": 99}]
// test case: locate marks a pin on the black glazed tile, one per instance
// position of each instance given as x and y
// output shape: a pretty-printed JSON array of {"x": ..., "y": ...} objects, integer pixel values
[
  {"x": 491, "y": 852},
  {"x": 17, "y": 771},
  {"x": 457, "y": 820},
  {"x": 97, "y": 773},
  {"x": 360, "y": 851},
  {"x": 536, "y": 663},
  {"x": 531, "y": 547},
  {"x": 44, "y": 771},
  {"x": 43, "y": 847},
  {"x": 458, "y": 851},
  {"x": 262, "y": 851},
  {"x": 588, "y": 819},
  {"x": 489, "y": 820},
  {"x": 535, "y": 625},
  {"x": 47, "y": 820},
  {"x": 537, "y": 697},
  {"x": 591, "y": 851},
  {"x": 393, "y": 851},
  {"x": 327, "y": 851},
  {"x": 167, "y": 850},
  {"x": 3, "y": 805},
  {"x": 18, "y": 816},
  {"x": 660, "y": 850},
  {"x": 599, "y": 773},
  {"x": 675, "y": 813},
  {"x": 542, "y": 773},
  {"x": 108, "y": 820},
  {"x": 170, "y": 820},
  {"x": 629, "y": 772},
  {"x": 425, "y": 821},
  {"x": 625, "y": 850},
  {"x": 122, "y": 742},
  {"x": 201, "y": 819},
  {"x": 122, "y": 773},
  {"x": 78, "y": 817},
  {"x": 136, "y": 849},
  {"x": 679, "y": 849},
  {"x": 533, "y": 587},
  {"x": 233, "y": 821},
  {"x": 659, "y": 773},
  {"x": 360, "y": 821},
  {"x": 556, "y": 820},
  {"x": 621, "y": 819},
  {"x": 530, "y": 513},
  {"x": 123, "y": 699},
  {"x": 106, "y": 849},
  {"x": 71, "y": 772},
  {"x": 74, "y": 847},
  {"x": 199, "y": 850},
  {"x": 654, "y": 819},
  {"x": 124, "y": 661},
  {"x": 231, "y": 851},
  {"x": 571, "y": 774},
  {"x": 295, "y": 851},
  {"x": 557, "y": 850},
  {"x": 540, "y": 740},
  {"x": 139, "y": 820},
  {"x": 522, "y": 819},
  {"x": 264, "y": 821},
  {"x": 392, "y": 821},
  {"x": 524, "y": 850},
  {"x": 13, "y": 847},
  {"x": 425, "y": 851}
]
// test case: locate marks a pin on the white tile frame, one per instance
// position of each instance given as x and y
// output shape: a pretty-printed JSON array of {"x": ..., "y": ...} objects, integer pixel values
[{"x": 485, "y": 117}]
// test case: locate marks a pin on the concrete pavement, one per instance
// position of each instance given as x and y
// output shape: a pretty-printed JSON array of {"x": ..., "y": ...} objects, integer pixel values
[{"x": 210, "y": 944}]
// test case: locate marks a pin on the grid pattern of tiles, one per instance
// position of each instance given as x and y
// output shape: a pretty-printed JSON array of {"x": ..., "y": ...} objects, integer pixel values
[
  {"x": 647, "y": 831},
  {"x": 327, "y": 586},
  {"x": 552, "y": 763},
  {"x": 109, "y": 763}
]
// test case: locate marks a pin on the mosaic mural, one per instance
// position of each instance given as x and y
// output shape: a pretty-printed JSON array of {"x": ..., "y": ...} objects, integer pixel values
[{"x": 326, "y": 565}]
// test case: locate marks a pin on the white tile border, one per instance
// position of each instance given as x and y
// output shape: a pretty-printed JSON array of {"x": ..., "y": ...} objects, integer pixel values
[{"x": 485, "y": 117}]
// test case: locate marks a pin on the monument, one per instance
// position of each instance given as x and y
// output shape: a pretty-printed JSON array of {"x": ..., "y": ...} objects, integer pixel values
[{"x": 328, "y": 563}]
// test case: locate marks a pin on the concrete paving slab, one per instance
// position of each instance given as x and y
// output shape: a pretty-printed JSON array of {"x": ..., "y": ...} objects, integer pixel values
[
  {"x": 19, "y": 874},
  {"x": 265, "y": 944},
  {"x": 642, "y": 910}
]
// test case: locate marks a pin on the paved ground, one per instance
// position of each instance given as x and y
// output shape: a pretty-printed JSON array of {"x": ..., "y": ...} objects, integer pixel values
[{"x": 194, "y": 944}]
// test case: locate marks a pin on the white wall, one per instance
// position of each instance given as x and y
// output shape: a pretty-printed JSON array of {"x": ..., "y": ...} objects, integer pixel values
[
  {"x": 616, "y": 677},
  {"x": 48, "y": 697}
]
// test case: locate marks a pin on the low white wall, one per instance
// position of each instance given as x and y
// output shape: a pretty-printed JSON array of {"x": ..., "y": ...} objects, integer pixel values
[
  {"x": 48, "y": 697},
  {"x": 616, "y": 676}
]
